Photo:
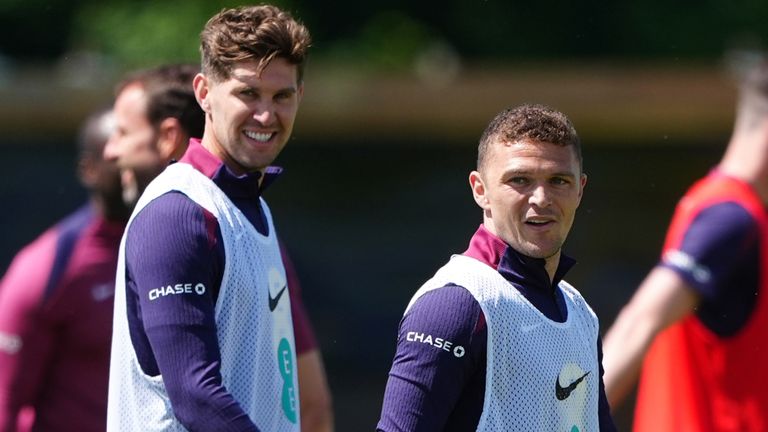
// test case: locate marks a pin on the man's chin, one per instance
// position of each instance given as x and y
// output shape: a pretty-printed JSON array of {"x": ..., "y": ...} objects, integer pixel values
[{"x": 541, "y": 252}]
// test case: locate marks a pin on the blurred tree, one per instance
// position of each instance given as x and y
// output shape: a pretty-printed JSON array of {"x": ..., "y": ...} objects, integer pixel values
[
  {"x": 141, "y": 33},
  {"x": 394, "y": 33},
  {"x": 390, "y": 39},
  {"x": 35, "y": 30}
]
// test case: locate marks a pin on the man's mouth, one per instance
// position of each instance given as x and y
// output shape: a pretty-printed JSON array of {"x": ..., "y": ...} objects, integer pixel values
[
  {"x": 536, "y": 222},
  {"x": 259, "y": 136}
]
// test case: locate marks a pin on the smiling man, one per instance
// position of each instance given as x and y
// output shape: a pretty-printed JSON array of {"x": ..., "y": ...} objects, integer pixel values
[
  {"x": 203, "y": 337},
  {"x": 497, "y": 340}
]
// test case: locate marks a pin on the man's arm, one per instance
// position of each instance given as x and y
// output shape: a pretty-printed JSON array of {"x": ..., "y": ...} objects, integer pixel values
[
  {"x": 25, "y": 341},
  {"x": 719, "y": 242},
  {"x": 662, "y": 299},
  {"x": 426, "y": 379},
  {"x": 173, "y": 241},
  {"x": 314, "y": 397},
  {"x": 605, "y": 419}
]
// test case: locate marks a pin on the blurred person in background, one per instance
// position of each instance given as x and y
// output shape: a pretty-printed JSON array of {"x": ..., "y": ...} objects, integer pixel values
[
  {"x": 497, "y": 340},
  {"x": 56, "y": 305},
  {"x": 219, "y": 369},
  {"x": 696, "y": 330}
]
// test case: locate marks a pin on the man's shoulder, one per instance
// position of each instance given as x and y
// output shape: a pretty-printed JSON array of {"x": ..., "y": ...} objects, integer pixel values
[
  {"x": 167, "y": 207},
  {"x": 721, "y": 221},
  {"x": 448, "y": 310},
  {"x": 41, "y": 249},
  {"x": 177, "y": 177},
  {"x": 171, "y": 214},
  {"x": 460, "y": 270},
  {"x": 578, "y": 304},
  {"x": 448, "y": 299},
  {"x": 25, "y": 280},
  {"x": 42, "y": 261},
  {"x": 716, "y": 189}
]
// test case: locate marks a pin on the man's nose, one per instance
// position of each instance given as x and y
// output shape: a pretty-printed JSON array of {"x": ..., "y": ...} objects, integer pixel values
[
  {"x": 111, "y": 148},
  {"x": 264, "y": 114},
  {"x": 540, "y": 196}
]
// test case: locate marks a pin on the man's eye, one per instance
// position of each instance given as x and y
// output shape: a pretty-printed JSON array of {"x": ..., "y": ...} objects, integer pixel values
[
  {"x": 284, "y": 96},
  {"x": 559, "y": 181},
  {"x": 518, "y": 180}
]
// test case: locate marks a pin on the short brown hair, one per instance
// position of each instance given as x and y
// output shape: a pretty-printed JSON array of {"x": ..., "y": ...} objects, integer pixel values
[
  {"x": 259, "y": 33},
  {"x": 170, "y": 94},
  {"x": 528, "y": 122}
]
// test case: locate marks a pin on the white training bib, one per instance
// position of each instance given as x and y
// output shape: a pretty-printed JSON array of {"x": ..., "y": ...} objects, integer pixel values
[
  {"x": 253, "y": 323},
  {"x": 541, "y": 375}
]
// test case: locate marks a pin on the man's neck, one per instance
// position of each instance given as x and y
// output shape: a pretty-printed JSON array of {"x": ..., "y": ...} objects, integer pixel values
[
  {"x": 551, "y": 264},
  {"x": 113, "y": 212},
  {"x": 746, "y": 159}
]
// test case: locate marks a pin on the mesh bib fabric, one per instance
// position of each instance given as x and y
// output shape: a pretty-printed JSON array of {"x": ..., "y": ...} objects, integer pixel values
[
  {"x": 541, "y": 375},
  {"x": 258, "y": 359}
]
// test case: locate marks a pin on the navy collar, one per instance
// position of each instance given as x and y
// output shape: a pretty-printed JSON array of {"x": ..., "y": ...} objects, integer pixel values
[
  {"x": 517, "y": 268},
  {"x": 524, "y": 270},
  {"x": 236, "y": 186}
]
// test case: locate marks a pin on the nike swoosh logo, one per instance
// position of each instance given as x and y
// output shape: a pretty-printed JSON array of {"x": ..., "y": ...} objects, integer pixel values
[
  {"x": 273, "y": 300},
  {"x": 562, "y": 393}
]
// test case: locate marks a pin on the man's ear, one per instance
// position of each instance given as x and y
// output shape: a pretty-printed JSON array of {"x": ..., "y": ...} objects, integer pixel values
[
  {"x": 200, "y": 84},
  {"x": 478, "y": 190},
  {"x": 171, "y": 139},
  {"x": 583, "y": 183},
  {"x": 300, "y": 91}
]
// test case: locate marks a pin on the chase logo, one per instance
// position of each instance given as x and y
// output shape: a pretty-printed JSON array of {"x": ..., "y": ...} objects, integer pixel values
[
  {"x": 169, "y": 290},
  {"x": 440, "y": 343}
]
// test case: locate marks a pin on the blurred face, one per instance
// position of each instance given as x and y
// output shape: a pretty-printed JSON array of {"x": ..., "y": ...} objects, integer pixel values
[
  {"x": 529, "y": 192},
  {"x": 102, "y": 176},
  {"x": 249, "y": 117},
  {"x": 107, "y": 183},
  {"x": 133, "y": 146}
]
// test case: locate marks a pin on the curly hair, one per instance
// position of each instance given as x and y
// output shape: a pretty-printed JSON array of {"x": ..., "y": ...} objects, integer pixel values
[
  {"x": 528, "y": 122},
  {"x": 259, "y": 33}
]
